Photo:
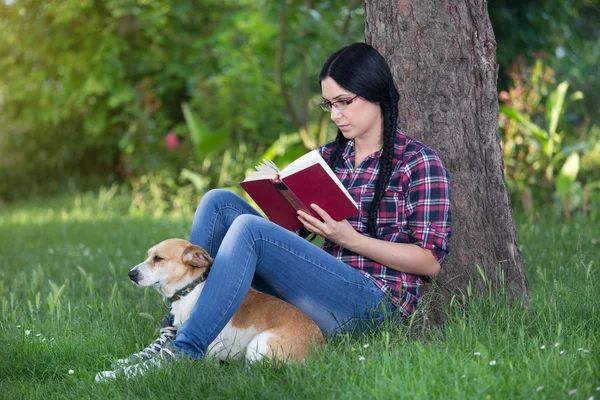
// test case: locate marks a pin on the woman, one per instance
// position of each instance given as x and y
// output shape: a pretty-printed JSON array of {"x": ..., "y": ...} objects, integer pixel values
[{"x": 370, "y": 265}]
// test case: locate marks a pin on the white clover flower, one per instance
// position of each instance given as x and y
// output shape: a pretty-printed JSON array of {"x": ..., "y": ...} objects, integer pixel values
[
  {"x": 539, "y": 388},
  {"x": 493, "y": 362},
  {"x": 27, "y": 332},
  {"x": 556, "y": 344},
  {"x": 477, "y": 353},
  {"x": 366, "y": 345},
  {"x": 361, "y": 358},
  {"x": 572, "y": 392},
  {"x": 71, "y": 372},
  {"x": 543, "y": 346},
  {"x": 562, "y": 352},
  {"x": 584, "y": 350}
]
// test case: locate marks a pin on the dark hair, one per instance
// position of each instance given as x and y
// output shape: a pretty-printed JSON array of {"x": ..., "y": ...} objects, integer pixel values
[{"x": 360, "y": 69}]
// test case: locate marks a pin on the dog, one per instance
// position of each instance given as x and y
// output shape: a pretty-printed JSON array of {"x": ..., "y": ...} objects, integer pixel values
[{"x": 263, "y": 326}]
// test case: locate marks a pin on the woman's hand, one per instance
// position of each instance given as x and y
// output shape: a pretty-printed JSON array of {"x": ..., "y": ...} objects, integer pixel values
[
  {"x": 339, "y": 232},
  {"x": 404, "y": 257}
]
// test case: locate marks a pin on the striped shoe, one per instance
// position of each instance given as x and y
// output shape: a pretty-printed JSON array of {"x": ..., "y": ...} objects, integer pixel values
[
  {"x": 167, "y": 353},
  {"x": 167, "y": 332}
]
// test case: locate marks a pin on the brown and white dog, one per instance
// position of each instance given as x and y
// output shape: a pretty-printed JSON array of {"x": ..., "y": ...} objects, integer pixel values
[{"x": 263, "y": 326}]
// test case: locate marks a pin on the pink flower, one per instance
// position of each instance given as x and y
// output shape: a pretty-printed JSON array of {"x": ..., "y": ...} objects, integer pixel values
[{"x": 171, "y": 141}]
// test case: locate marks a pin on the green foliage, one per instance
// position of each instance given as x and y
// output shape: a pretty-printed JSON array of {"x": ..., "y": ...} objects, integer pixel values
[
  {"x": 544, "y": 153},
  {"x": 87, "y": 86},
  {"x": 93, "y": 87},
  {"x": 565, "y": 33},
  {"x": 89, "y": 91},
  {"x": 158, "y": 193},
  {"x": 529, "y": 28},
  {"x": 265, "y": 86},
  {"x": 567, "y": 176}
]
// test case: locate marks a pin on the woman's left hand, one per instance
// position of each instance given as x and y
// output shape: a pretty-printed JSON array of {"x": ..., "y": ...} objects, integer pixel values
[{"x": 338, "y": 232}]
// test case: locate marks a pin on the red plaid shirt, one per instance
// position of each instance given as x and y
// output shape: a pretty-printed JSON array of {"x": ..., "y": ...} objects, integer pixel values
[{"x": 415, "y": 209}]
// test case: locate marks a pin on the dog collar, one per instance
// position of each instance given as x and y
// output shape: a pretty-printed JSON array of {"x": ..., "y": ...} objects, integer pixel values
[{"x": 182, "y": 292}]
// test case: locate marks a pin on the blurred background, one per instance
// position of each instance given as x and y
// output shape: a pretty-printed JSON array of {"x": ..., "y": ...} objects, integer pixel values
[{"x": 161, "y": 100}]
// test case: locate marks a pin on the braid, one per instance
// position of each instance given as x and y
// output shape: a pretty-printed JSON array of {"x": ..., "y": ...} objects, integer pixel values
[
  {"x": 390, "y": 118},
  {"x": 338, "y": 149}
]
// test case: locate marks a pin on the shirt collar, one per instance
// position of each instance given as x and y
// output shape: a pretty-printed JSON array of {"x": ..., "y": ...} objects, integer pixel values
[{"x": 399, "y": 142}]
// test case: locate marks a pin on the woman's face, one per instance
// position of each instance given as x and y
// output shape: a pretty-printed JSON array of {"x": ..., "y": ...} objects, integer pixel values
[{"x": 360, "y": 120}]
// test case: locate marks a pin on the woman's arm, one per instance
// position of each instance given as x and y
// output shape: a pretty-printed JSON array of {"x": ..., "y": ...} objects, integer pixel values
[{"x": 404, "y": 257}]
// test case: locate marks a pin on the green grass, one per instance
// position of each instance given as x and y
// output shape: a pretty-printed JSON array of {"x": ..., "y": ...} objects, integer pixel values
[{"x": 63, "y": 279}]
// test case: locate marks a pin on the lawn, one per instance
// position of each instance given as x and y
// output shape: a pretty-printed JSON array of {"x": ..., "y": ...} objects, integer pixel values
[{"x": 68, "y": 311}]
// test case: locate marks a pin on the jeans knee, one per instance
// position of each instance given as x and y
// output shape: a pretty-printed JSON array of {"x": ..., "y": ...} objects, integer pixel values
[
  {"x": 247, "y": 232},
  {"x": 215, "y": 196},
  {"x": 248, "y": 228},
  {"x": 245, "y": 224}
]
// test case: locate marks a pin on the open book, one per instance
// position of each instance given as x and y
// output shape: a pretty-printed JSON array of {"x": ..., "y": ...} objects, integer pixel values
[{"x": 307, "y": 180}]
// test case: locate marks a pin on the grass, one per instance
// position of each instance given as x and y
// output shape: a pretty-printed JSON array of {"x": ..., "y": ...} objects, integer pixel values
[{"x": 66, "y": 305}]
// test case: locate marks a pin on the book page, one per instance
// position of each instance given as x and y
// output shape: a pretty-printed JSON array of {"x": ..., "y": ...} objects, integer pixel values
[{"x": 265, "y": 170}]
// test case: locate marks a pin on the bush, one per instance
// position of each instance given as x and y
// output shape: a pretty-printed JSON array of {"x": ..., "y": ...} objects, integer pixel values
[{"x": 547, "y": 158}]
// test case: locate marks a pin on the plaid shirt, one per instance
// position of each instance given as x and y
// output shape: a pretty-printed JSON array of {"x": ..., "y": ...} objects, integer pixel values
[{"x": 415, "y": 209}]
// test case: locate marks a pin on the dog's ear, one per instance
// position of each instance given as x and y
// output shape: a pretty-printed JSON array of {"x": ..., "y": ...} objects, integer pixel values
[{"x": 196, "y": 256}]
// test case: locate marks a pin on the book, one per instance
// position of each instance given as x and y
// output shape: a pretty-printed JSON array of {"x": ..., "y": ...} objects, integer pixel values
[{"x": 307, "y": 180}]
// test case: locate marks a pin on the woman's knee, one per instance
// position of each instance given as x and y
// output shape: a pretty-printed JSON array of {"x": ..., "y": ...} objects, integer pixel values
[
  {"x": 215, "y": 199},
  {"x": 216, "y": 196},
  {"x": 247, "y": 224}
]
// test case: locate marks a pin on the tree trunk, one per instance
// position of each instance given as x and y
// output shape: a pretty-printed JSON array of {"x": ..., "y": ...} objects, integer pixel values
[{"x": 443, "y": 57}]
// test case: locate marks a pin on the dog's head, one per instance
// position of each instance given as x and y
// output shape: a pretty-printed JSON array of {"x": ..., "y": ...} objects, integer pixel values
[{"x": 171, "y": 265}]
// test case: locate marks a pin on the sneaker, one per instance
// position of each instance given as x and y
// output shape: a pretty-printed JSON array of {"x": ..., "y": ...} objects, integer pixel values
[
  {"x": 167, "y": 353},
  {"x": 167, "y": 332}
]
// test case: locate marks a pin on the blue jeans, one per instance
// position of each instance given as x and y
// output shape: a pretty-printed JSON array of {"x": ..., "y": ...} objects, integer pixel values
[{"x": 250, "y": 250}]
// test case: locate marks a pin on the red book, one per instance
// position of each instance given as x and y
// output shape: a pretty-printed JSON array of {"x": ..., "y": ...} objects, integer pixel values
[{"x": 307, "y": 180}]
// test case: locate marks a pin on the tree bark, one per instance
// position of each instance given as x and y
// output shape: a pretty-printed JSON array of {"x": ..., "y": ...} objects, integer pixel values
[{"x": 443, "y": 57}]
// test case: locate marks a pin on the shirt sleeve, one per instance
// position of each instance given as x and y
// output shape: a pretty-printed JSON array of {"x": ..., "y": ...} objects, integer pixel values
[{"x": 428, "y": 203}]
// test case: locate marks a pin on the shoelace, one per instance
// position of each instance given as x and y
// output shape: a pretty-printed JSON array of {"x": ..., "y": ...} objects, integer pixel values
[
  {"x": 163, "y": 354},
  {"x": 168, "y": 332}
]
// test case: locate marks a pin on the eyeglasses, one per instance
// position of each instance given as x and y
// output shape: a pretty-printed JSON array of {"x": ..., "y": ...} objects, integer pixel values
[{"x": 340, "y": 104}]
